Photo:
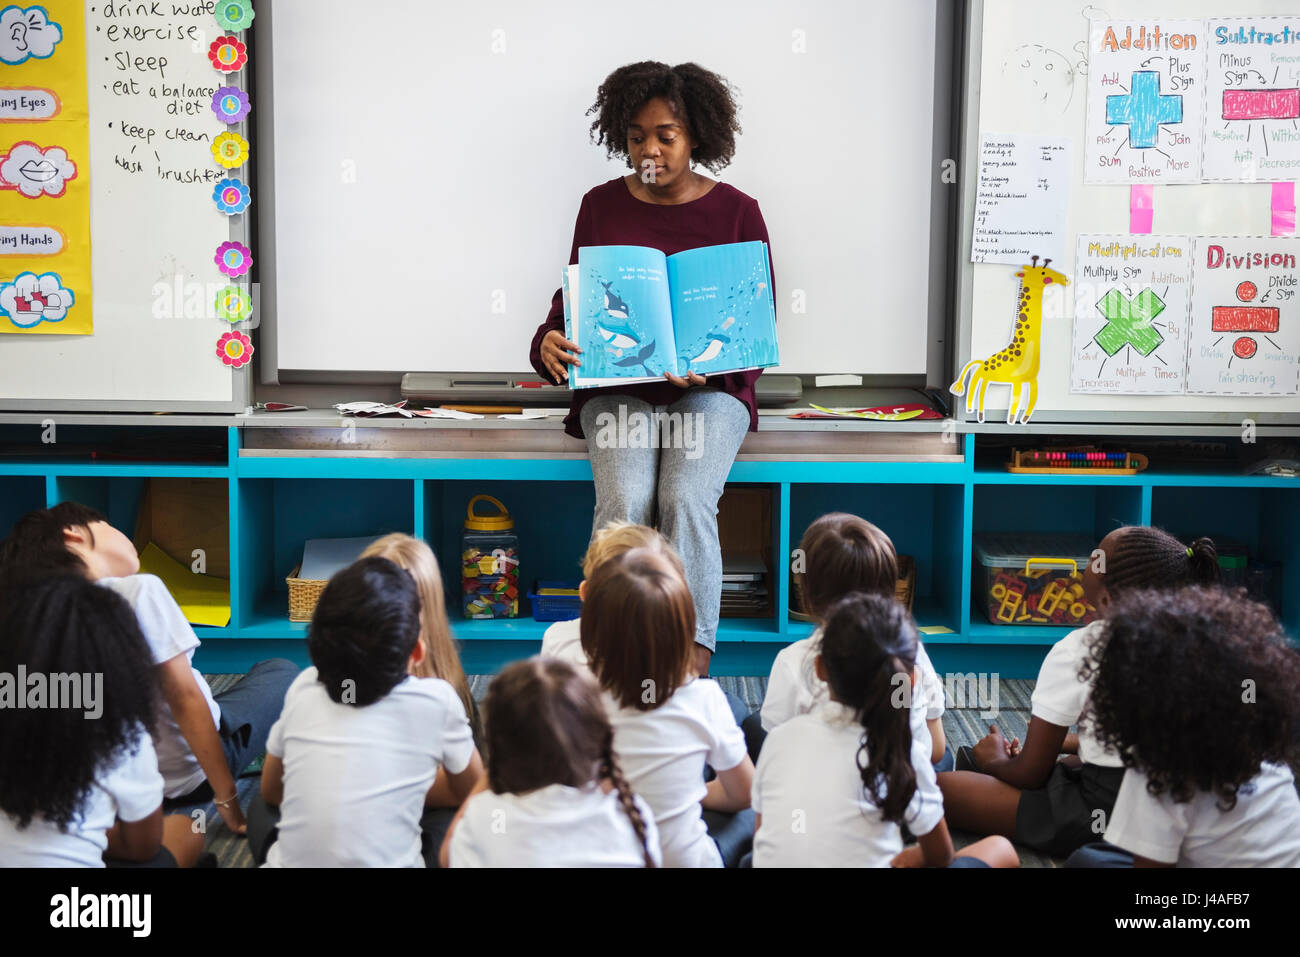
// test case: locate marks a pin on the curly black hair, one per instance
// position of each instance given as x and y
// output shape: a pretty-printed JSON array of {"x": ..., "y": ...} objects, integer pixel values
[
  {"x": 49, "y": 756},
  {"x": 1196, "y": 687},
  {"x": 700, "y": 98},
  {"x": 363, "y": 630}
]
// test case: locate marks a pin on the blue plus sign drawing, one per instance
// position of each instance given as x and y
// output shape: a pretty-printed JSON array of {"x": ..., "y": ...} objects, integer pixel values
[{"x": 1144, "y": 108}]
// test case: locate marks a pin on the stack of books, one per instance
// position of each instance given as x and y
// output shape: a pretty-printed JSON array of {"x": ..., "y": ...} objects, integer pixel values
[{"x": 744, "y": 587}]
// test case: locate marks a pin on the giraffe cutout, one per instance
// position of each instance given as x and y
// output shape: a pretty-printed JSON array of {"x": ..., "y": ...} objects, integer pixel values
[{"x": 1016, "y": 364}]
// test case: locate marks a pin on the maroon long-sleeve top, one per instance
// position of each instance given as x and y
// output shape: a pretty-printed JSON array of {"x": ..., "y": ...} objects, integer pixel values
[{"x": 611, "y": 216}]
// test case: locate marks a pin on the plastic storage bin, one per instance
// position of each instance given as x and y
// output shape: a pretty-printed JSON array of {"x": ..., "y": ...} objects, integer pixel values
[
  {"x": 1032, "y": 579},
  {"x": 556, "y": 601},
  {"x": 489, "y": 567}
]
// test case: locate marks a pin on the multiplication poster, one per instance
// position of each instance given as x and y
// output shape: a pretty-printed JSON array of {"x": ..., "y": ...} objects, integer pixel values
[
  {"x": 1130, "y": 314},
  {"x": 1145, "y": 101},
  {"x": 1245, "y": 316},
  {"x": 1252, "y": 101}
]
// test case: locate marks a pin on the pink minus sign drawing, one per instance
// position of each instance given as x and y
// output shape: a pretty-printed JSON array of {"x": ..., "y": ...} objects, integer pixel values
[
  {"x": 1244, "y": 319},
  {"x": 1261, "y": 104}
]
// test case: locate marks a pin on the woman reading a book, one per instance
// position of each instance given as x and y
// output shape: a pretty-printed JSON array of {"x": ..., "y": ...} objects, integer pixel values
[{"x": 662, "y": 120}]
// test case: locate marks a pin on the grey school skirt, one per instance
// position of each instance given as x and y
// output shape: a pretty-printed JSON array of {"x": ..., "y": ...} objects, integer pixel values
[{"x": 1062, "y": 816}]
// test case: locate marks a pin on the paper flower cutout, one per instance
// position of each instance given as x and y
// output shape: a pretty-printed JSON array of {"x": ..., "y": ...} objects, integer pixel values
[
  {"x": 30, "y": 299},
  {"x": 231, "y": 104},
  {"x": 234, "y": 259},
  {"x": 232, "y": 196},
  {"x": 234, "y": 14},
  {"x": 234, "y": 349},
  {"x": 234, "y": 304},
  {"x": 230, "y": 150},
  {"x": 228, "y": 54}
]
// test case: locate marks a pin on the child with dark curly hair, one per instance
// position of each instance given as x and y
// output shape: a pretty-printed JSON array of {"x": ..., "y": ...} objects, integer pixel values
[
  {"x": 1030, "y": 793},
  {"x": 1195, "y": 690},
  {"x": 663, "y": 120},
  {"x": 79, "y": 781},
  {"x": 554, "y": 794}
]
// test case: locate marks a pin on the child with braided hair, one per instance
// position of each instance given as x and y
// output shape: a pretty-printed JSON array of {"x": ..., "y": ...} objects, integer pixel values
[
  {"x": 1030, "y": 793},
  {"x": 554, "y": 795}
]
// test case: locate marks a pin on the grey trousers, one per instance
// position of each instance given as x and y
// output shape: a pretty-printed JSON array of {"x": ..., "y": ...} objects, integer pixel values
[{"x": 669, "y": 462}]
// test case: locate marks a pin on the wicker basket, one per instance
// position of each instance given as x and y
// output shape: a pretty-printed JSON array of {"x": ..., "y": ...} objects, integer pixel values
[
  {"x": 904, "y": 589},
  {"x": 303, "y": 595}
]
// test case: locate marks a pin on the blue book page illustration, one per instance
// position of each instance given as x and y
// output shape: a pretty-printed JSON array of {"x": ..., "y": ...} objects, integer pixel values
[
  {"x": 621, "y": 317},
  {"x": 722, "y": 307}
]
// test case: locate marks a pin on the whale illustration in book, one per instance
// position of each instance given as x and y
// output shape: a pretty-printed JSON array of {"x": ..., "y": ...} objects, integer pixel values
[
  {"x": 619, "y": 335},
  {"x": 711, "y": 346}
]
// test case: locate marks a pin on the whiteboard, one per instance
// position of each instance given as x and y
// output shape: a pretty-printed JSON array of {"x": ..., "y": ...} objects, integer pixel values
[
  {"x": 153, "y": 238},
  {"x": 427, "y": 180},
  {"x": 1011, "y": 90}
]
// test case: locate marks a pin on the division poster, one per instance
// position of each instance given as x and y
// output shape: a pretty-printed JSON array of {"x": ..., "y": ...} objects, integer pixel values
[
  {"x": 1252, "y": 100},
  {"x": 1245, "y": 316},
  {"x": 44, "y": 170},
  {"x": 1131, "y": 296},
  {"x": 1145, "y": 101}
]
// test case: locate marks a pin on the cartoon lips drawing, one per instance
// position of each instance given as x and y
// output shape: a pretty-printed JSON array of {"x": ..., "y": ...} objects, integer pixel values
[{"x": 41, "y": 172}]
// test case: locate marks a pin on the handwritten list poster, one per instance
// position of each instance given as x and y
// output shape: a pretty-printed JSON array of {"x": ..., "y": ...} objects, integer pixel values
[{"x": 1022, "y": 198}]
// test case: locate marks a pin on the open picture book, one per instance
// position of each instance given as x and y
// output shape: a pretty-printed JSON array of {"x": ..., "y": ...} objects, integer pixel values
[{"x": 636, "y": 313}]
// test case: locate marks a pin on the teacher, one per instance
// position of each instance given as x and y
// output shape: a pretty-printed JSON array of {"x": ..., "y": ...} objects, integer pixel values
[{"x": 664, "y": 121}]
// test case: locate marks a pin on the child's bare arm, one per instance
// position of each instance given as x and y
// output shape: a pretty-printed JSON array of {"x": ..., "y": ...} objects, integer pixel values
[
  {"x": 451, "y": 790},
  {"x": 189, "y": 708},
  {"x": 1071, "y": 744},
  {"x": 730, "y": 790},
  {"x": 1033, "y": 765},
  {"x": 938, "y": 740},
  {"x": 273, "y": 780},
  {"x": 136, "y": 840}
]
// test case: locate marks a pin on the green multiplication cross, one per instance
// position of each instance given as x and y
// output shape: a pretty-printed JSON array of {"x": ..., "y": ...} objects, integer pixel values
[{"x": 1129, "y": 322}]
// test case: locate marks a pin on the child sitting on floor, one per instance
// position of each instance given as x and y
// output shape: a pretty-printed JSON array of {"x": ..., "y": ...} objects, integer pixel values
[
  {"x": 835, "y": 784},
  {"x": 843, "y": 553},
  {"x": 638, "y": 632},
  {"x": 1196, "y": 691},
  {"x": 554, "y": 795},
  {"x": 79, "y": 781},
  {"x": 353, "y": 758},
  {"x": 203, "y": 741},
  {"x": 1026, "y": 792}
]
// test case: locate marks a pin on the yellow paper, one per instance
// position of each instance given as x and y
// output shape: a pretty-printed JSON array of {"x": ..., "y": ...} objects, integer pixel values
[
  {"x": 64, "y": 217},
  {"x": 204, "y": 600},
  {"x": 935, "y": 630}
]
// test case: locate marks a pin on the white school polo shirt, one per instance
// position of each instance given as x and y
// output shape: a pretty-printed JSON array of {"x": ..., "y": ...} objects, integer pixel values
[
  {"x": 662, "y": 754},
  {"x": 563, "y": 641},
  {"x": 129, "y": 789},
  {"x": 794, "y": 688},
  {"x": 1263, "y": 830},
  {"x": 168, "y": 634},
  {"x": 815, "y": 812},
  {"x": 355, "y": 778},
  {"x": 554, "y": 826},
  {"x": 1060, "y": 696}
]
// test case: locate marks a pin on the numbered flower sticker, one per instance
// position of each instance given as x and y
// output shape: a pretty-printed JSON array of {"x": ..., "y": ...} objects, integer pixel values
[
  {"x": 230, "y": 150},
  {"x": 235, "y": 349},
  {"x": 234, "y": 14},
  {"x": 234, "y": 304},
  {"x": 228, "y": 54},
  {"x": 231, "y": 105},
  {"x": 232, "y": 196},
  {"x": 234, "y": 259}
]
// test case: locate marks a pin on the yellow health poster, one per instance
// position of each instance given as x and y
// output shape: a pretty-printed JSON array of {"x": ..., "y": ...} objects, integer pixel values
[{"x": 44, "y": 170}]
